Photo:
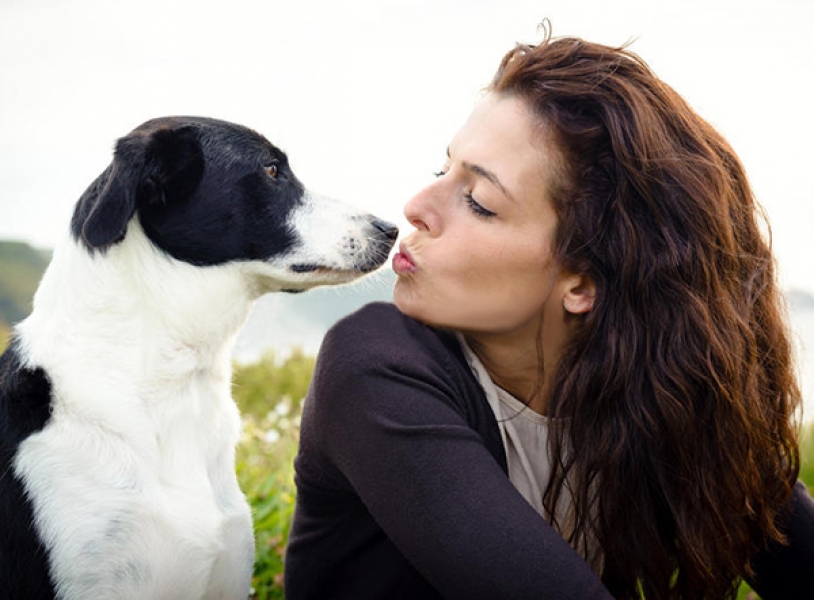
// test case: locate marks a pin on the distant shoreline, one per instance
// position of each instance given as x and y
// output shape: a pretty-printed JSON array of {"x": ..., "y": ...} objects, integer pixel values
[{"x": 281, "y": 324}]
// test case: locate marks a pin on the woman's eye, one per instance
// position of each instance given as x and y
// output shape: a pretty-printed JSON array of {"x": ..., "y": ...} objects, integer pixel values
[
  {"x": 475, "y": 206},
  {"x": 271, "y": 170},
  {"x": 478, "y": 209}
]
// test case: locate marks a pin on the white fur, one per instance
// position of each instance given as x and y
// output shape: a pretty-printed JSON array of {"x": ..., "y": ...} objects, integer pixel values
[
  {"x": 132, "y": 479},
  {"x": 336, "y": 237}
]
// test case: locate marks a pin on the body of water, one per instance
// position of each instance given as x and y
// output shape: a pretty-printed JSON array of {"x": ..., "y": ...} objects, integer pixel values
[{"x": 283, "y": 322}]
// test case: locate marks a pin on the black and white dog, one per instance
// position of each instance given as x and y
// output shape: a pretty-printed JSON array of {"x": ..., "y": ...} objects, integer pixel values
[{"x": 117, "y": 426}]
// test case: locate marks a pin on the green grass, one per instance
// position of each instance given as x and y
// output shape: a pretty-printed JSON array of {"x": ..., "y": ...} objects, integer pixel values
[
  {"x": 21, "y": 268},
  {"x": 269, "y": 394},
  {"x": 5, "y": 335},
  {"x": 265, "y": 470},
  {"x": 807, "y": 457}
]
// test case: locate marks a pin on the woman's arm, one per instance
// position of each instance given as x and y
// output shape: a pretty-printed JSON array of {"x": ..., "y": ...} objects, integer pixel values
[
  {"x": 390, "y": 424},
  {"x": 786, "y": 572}
]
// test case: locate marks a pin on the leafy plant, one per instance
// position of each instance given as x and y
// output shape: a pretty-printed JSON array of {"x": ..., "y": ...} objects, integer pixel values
[
  {"x": 5, "y": 335},
  {"x": 269, "y": 394},
  {"x": 807, "y": 457},
  {"x": 21, "y": 268}
]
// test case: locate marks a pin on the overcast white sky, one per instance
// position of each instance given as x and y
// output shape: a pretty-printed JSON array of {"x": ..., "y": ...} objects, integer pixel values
[{"x": 364, "y": 95}]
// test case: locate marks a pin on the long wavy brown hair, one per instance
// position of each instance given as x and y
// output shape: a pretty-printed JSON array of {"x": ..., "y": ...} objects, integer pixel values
[{"x": 678, "y": 396}]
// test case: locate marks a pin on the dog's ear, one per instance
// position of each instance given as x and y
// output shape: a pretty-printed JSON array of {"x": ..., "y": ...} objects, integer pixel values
[
  {"x": 157, "y": 165},
  {"x": 175, "y": 165},
  {"x": 102, "y": 213}
]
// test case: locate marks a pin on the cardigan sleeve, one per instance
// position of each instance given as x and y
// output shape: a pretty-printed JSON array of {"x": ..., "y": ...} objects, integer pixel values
[
  {"x": 384, "y": 411},
  {"x": 786, "y": 572}
]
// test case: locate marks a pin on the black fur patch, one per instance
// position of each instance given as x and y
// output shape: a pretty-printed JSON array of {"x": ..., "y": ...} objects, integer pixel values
[
  {"x": 149, "y": 166},
  {"x": 25, "y": 402},
  {"x": 199, "y": 189}
]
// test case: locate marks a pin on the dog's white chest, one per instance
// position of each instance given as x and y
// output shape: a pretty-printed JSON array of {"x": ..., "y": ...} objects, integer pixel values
[
  {"x": 132, "y": 480},
  {"x": 145, "y": 505}
]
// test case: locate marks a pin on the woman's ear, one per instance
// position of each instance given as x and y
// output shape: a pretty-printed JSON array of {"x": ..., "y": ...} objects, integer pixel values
[{"x": 580, "y": 292}]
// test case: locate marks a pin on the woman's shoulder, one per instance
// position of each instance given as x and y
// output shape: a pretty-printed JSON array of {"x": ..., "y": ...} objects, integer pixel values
[
  {"x": 371, "y": 317},
  {"x": 379, "y": 348},
  {"x": 377, "y": 367},
  {"x": 380, "y": 331}
]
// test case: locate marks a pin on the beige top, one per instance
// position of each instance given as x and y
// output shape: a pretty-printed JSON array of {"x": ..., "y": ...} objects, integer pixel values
[{"x": 525, "y": 440}]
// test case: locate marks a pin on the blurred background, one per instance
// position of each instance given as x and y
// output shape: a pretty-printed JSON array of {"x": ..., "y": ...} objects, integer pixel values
[{"x": 364, "y": 95}]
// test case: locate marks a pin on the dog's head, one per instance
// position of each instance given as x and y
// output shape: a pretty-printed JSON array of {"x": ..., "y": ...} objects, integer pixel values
[{"x": 208, "y": 192}]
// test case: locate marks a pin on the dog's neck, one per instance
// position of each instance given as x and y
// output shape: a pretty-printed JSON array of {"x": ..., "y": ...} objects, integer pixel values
[{"x": 133, "y": 307}]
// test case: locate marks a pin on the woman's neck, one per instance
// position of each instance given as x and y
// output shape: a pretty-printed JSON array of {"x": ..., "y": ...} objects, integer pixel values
[
  {"x": 518, "y": 364},
  {"x": 523, "y": 361}
]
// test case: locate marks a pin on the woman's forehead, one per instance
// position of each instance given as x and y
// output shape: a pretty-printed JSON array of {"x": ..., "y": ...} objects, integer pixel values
[{"x": 502, "y": 136}]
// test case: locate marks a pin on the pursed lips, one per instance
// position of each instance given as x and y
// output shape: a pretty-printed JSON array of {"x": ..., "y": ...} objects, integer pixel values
[{"x": 403, "y": 262}]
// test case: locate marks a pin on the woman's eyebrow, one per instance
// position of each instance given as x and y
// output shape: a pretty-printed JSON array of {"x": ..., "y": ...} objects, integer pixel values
[{"x": 486, "y": 174}]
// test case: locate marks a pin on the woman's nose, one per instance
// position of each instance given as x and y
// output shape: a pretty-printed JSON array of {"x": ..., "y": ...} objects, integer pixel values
[{"x": 420, "y": 212}]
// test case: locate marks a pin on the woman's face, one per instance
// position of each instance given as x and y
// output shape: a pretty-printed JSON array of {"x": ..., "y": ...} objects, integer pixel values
[{"x": 480, "y": 258}]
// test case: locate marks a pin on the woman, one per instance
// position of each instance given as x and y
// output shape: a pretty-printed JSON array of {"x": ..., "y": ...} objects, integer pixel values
[{"x": 585, "y": 388}]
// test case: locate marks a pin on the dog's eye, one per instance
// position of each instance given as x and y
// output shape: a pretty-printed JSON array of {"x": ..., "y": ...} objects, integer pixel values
[{"x": 271, "y": 171}]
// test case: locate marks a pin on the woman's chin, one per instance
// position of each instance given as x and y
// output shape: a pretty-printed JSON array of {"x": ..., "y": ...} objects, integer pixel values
[{"x": 410, "y": 303}]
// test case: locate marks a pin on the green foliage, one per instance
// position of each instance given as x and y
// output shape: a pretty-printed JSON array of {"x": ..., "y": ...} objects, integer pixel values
[
  {"x": 21, "y": 268},
  {"x": 5, "y": 335},
  {"x": 258, "y": 387},
  {"x": 269, "y": 394},
  {"x": 807, "y": 457}
]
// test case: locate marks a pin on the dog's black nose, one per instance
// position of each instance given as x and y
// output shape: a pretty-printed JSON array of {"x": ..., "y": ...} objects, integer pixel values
[{"x": 390, "y": 231}]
